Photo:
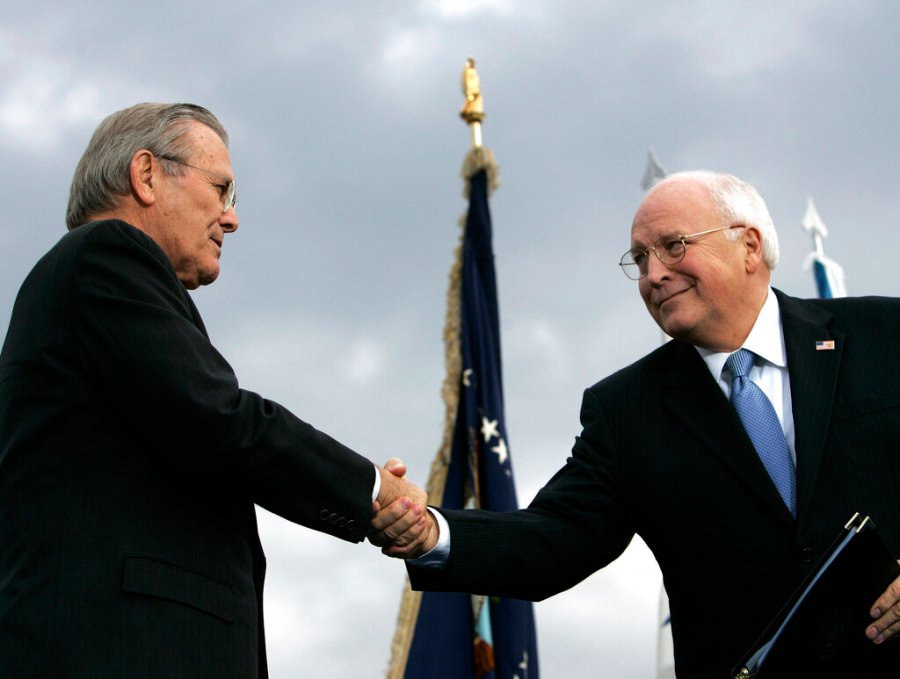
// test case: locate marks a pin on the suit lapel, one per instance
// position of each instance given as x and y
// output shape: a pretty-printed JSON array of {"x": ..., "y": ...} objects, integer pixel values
[
  {"x": 692, "y": 396},
  {"x": 813, "y": 376}
]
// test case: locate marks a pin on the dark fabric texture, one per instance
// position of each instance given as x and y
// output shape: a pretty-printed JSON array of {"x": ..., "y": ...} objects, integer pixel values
[
  {"x": 662, "y": 454},
  {"x": 130, "y": 462}
]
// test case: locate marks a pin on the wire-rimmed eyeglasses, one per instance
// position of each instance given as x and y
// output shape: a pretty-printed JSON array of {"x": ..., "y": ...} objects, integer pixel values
[
  {"x": 670, "y": 250},
  {"x": 227, "y": 189}
]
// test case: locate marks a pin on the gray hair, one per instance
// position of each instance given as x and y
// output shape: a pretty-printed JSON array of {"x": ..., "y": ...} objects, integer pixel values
[
  {"x": 738, "y": 203},
  {"x": 103, "y": 174}
]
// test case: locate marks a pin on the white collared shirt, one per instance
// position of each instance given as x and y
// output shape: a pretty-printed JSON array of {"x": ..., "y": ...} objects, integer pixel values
[{"x": 766, "y": 340}]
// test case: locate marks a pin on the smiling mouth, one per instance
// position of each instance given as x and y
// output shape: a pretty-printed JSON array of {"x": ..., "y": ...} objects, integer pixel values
[{"x": 661, "y": 302}]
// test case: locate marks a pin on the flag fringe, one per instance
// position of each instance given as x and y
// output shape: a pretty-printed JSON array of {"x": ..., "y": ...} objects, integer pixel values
[
  {"x": 479, "y": 158},
  {"x": 403, "y": 632}
]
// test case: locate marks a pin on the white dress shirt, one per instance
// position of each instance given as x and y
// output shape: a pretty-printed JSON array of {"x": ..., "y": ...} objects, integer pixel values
[{"x": 769, "y": 373}]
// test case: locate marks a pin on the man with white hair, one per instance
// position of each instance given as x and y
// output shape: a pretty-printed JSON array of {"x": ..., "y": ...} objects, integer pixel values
[{"x": 737, "y": 451}]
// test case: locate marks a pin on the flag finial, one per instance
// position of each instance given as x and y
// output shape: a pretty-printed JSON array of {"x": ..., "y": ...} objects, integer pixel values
[
  {"x": 812, "y": 223},
  {"x": 473, "y": 108},
  {"x": 829, "y": 276},
  {"x": 654, "y": 172}
]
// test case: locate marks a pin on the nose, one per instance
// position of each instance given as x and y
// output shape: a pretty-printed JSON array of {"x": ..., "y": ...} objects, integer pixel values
[
  {"x": 656, "y": 270},
  {"x": 229, "y": 220}
]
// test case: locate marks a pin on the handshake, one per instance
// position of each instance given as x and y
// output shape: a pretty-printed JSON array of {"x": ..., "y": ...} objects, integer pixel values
[{"x": 402, "y": 525}]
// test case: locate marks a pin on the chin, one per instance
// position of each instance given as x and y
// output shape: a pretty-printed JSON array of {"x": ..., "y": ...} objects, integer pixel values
[
  {"x": 675, "y": 327},
  {"x": 209, "y": 278}
]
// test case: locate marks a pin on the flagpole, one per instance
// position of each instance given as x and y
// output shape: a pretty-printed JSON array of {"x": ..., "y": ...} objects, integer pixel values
[
  {"x": 828, "y": 274},
  {"x": 473, "y": 109},
  {"x": 665, "y": 654},
  {"x": 814, "y": 225},
  {"x": 477, "y": 158},
  {"x": 447, "y": 635}
]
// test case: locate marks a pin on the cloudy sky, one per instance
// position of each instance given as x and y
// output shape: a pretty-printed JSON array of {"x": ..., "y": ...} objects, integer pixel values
[{"x": 347, "y": 146}]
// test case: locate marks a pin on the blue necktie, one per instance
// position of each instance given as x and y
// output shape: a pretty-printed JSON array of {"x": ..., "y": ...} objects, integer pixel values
[{"x": 763, "y": 427}]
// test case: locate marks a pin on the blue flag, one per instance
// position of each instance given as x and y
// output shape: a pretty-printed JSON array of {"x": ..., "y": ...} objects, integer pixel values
[
  {"x": 829, "y": 278},
  {"x": 827, "y": 273},
  {"x": 454, "y": 635}
]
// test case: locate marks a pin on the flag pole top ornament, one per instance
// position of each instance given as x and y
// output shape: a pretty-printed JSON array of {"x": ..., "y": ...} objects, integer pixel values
[
  {"x": 654, "y": 172},
  {"x": 812, "y": 223},
  {"x": 832, "y": 285},
  {"x": 473, "y": 107}
]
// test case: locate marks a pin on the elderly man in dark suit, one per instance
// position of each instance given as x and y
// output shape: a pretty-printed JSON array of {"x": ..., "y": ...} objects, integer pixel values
[
  {"x": 734, "y": 523},
  {"x": 130, "y": 459}
]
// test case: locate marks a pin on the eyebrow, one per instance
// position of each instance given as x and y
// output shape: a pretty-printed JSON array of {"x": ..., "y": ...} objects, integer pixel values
[
  {"x": 224, "y": 176},
  {"x": 669, "y": 234},
  {"x": 222, "y": 182}
]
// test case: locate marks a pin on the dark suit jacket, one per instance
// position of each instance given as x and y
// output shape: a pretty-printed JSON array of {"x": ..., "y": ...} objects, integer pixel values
[
  {"x": 130, "y": 462},
  {"x": 662, "y": 454}
]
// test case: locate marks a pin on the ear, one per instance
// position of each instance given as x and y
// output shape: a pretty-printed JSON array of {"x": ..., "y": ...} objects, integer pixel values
[
  {"x": 143, "y": 172},
  {"x": 752, "y": 239}
]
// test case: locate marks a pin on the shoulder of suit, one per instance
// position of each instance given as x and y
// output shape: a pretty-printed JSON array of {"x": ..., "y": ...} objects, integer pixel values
[
  {"x": 871, "y": 307},
  {"x": 865, "y": 302},
  {"x": 113, "y": 234},
  {"x": 111, "y": 230},
  {"x": 863, "y": 319},
  {"x": 651, "y": 366}
]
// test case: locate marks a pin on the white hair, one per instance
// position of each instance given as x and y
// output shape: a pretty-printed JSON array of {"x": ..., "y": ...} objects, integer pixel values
[
  {"x": 103, "y": 173},
  {"x": 738, "y": 202}
]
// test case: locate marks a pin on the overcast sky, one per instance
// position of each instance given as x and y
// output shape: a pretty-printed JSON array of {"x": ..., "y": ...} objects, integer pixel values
[{"x": 346, "y": 144}]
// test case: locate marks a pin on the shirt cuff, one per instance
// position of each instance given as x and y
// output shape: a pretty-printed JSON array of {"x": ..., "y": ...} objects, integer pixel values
[
  {"x": 438, "y": 556},
  {"x": 377, "y": 487}
]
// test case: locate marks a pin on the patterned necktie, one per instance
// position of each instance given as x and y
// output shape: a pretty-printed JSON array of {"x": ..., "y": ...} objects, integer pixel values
[{"x": 762, "y": 426}]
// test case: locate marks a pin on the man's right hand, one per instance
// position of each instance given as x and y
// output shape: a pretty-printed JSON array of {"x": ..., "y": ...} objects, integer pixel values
[{"x": 402, "y": 526}]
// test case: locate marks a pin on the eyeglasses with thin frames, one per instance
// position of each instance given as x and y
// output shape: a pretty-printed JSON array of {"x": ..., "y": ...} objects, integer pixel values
[
  {"x": 669, "y": 250},
  {"x": 228, "y": 190}
]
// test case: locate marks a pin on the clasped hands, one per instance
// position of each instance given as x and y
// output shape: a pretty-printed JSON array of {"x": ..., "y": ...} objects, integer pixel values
[{"x": 402, "y": 524}]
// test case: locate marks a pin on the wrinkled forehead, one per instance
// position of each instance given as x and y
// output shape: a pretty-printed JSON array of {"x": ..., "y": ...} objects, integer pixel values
[
  {"x": 208, "y": 149},
  {"x": 679, "y": 207}
]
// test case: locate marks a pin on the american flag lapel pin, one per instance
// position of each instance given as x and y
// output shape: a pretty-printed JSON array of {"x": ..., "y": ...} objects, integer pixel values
[{"x": 824, "y": 345}]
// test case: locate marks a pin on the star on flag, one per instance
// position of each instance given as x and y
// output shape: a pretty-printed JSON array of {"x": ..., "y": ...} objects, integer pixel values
[
  {"x": 502, "y": 452},
  {"x": 489, "y": 429}
]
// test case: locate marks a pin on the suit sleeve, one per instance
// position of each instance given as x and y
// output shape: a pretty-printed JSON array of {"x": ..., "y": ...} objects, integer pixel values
[
  {"x": 137, "y": 337},
  {"x": 575, "y": 525}
]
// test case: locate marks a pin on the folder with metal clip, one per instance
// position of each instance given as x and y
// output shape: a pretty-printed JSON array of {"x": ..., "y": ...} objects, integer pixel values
[{"x": 820, "y": 631}]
